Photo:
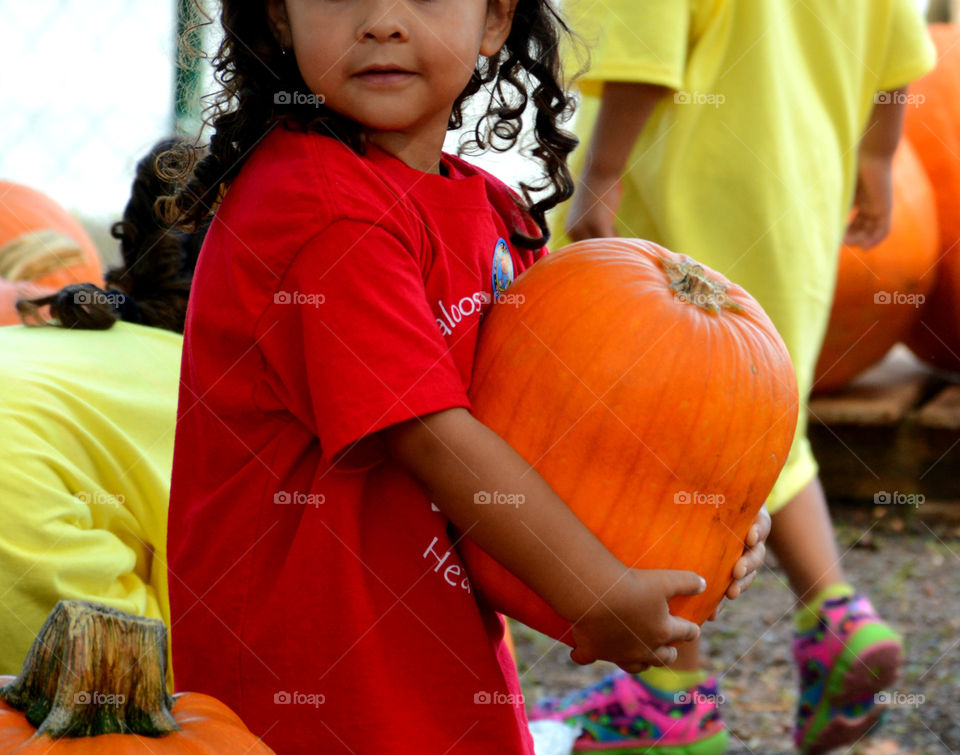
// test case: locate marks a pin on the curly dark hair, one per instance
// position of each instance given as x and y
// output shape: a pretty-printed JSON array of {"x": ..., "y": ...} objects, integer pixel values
[
  {"x": 152, "y": 285},
  {"x": 251, "y": 67}
]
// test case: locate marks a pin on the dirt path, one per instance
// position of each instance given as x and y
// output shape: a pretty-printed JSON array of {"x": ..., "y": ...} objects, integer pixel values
[{"x": 909, "y": 565}]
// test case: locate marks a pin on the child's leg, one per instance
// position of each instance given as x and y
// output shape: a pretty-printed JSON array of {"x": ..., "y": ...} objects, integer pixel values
[
  {"x": 688, "y": 656},
  {"x": 844, "y": 651},
  {"x": 803, "y": 540}
]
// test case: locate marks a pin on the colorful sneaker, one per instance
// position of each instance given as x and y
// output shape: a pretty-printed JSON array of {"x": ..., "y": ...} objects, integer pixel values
[
  {"x": 844, "y": 661},
  {"x": 623, "y": 715}
]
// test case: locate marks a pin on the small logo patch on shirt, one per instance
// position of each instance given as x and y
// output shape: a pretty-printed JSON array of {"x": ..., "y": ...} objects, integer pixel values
[{"x": 502, "y": 268}]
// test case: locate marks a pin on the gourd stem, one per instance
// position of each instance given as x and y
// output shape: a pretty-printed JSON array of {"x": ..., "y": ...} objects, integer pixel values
[
  {"x": 38, "y": 253},
  {"x": 94, "y": 670},
  {"x": 690, "y": 281}
]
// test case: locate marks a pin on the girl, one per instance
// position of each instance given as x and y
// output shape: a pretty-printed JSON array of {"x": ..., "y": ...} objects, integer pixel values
[
  {"x": 324, "y": 442},
  {"x": 86, "y": 423},
  {"x": 739, "y": 132}
]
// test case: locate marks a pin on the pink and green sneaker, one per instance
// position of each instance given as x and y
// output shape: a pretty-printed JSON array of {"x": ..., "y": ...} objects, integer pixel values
[
  {"x": 623, "y": 715},
  {"x": 844, "y": 661}
]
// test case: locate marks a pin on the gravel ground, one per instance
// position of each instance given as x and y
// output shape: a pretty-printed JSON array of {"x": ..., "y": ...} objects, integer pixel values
[{"x": 909, "y": 565}]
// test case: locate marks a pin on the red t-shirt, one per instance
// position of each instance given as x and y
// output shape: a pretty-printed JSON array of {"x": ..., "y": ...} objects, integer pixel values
[{"x": 336, "y": 294}]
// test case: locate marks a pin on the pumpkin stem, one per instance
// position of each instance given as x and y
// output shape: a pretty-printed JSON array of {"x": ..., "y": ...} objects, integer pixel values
[
  {"x": 38, "y": 253},
  {"x": 688, "y": 278},
  {"x": 94, "y": 670}
]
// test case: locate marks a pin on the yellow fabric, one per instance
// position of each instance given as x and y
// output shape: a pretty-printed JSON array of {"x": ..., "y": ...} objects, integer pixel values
[
  {"x": 749, "y": 167},
  {"x": 668, "y": 680},
  {"x": 808, "y": 614},
  {"x": 86, "y": 426}
]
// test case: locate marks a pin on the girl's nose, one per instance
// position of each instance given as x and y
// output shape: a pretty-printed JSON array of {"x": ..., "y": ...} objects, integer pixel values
[{"x": 384, "y": 20}]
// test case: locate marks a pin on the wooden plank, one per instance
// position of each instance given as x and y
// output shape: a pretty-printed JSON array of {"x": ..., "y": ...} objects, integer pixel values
[
  {"x": 868, "y": 406},
  {"x": 881, "y": 397},
  {"x": 943, "y": 411},
  {"x": 893, "y": 434},
  {"x": 862, "y": 463}
]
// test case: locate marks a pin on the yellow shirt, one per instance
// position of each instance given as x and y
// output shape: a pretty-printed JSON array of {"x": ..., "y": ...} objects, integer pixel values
[
  {"x": 749, "y": 166},
  {"x": 86, "y": 428}
]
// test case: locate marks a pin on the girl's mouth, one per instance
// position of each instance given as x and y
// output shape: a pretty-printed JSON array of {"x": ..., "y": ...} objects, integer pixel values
[{"x": 384, "y": 76}]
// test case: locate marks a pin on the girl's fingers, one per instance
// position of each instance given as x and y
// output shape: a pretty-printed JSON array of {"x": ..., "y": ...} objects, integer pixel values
[
  {"x": 665, "y": 656},
  {"x": 681, "y": 630},
  {"x": 753, "y": 559},
  {"x": 581, "y": 657},
  {"x": 736, "y": 589},
  {"x": 683, "y": 583},
  {"x": 745, "y": 583}
]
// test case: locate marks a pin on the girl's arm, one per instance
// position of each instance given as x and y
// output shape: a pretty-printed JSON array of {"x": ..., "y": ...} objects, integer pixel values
[
  {"x": 619, "y": 614},
  {"x": 624, "y": 110},
  {"x": 873, "y": 203}
]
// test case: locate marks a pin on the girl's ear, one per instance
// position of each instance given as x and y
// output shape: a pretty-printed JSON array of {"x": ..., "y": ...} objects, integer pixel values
[
  {"x": 279, "y": 23},
  {"x": 499, "y": 21}
]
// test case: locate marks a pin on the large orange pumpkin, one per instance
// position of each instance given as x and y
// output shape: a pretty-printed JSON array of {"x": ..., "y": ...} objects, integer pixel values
[
  {"x": 42, "y": 244},
  {"x": 880, "y": 290},
  {"x": 654, "y": 397},
  {"x": 933, "y": 127},
  {"x": 93, "y": 682}
]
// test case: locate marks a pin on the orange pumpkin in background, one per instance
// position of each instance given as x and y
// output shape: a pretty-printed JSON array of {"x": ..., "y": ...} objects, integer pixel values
[
  {"x": 42, "y": 248},
  {"x": 654, "y": 397},
  {"x": 93, "y": 682},
  {"x": 933, "y": 127},
  {"x": 880, "y": 291}
]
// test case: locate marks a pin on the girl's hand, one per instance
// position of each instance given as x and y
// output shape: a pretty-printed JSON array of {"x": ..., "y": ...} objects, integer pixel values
[
  {"x": 594, "y": 207},
  {"x": 745, "y": 570},
  {"x": 631, "y": 624},
  {"x": 873, "y": 203}
]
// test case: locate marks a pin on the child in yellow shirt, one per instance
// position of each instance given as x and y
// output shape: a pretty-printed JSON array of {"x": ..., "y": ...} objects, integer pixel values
[
  {"x": 738, "y": 132},
  {"x": 87, "y": 413}
]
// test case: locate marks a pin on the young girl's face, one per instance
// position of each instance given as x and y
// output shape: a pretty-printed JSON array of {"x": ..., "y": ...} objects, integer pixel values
[{"x": 391, "y": 65}]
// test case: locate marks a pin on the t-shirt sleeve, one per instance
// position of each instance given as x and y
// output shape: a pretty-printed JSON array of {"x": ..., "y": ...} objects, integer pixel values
[
  {"x": 910, "y": 52},
  {"x": 631, "y": 41},
  {"x": 351, "y": 341}
]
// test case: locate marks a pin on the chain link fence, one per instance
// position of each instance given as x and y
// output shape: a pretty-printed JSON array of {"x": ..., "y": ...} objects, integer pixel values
[{"x": 87, "y": 89}]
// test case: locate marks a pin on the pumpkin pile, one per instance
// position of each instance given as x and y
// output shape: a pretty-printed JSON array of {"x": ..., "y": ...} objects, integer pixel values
[
  {"x": 879, "y": 291},
  {"x": 934, "y": 129},
  {"x": 93, "y": 681},
  {"x": 42, "y": 248},
  {"x": 908, "y": 287},
  {"x": 654, "y": 397}
]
